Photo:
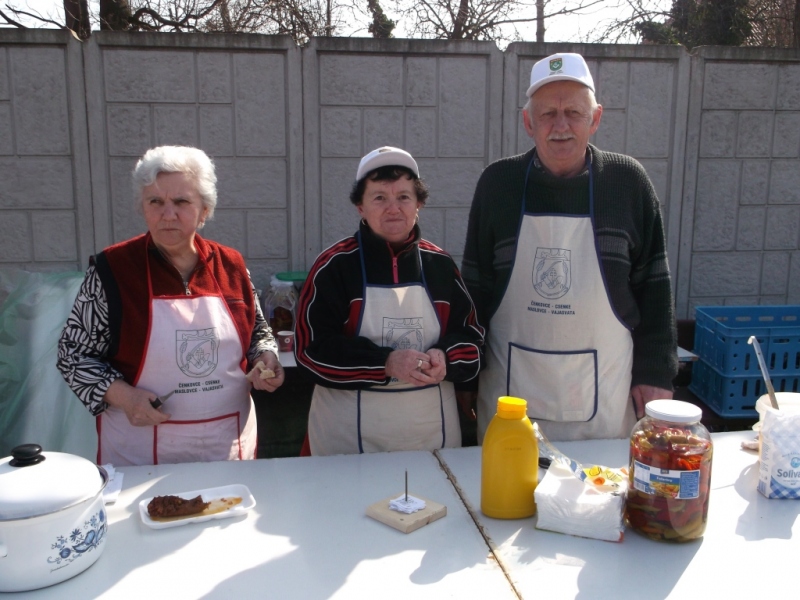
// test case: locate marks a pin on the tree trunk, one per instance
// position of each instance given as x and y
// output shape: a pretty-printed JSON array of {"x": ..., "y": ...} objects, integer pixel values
[
  {"x": 114, "y": 15},
  {"x": 76, "y": 17},
  {"x": 461, "y": 20},
  {"x": 225, "y": 17},
  {"x": 328, "y": 19},
  {"x": 540, "y": 20},
  {"x": 796, "y": 24}
]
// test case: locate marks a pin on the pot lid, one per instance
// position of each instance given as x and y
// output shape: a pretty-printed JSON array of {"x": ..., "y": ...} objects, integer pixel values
[{"x": 34, "y": 483}]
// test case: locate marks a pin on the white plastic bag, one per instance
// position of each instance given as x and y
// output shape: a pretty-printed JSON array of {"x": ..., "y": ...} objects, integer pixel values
[{"x": 779, "y": 472}]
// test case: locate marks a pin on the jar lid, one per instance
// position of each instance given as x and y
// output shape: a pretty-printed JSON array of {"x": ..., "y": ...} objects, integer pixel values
[
  {"x": 675, "y": 411},
  {"x": 509, "y": 407},
  {"x": 34, "y": 483},
  {"x": 293, "y": 276}
]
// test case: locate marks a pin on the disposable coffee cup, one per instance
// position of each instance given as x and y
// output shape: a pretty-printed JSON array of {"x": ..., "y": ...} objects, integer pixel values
[
  {"x": 788, "y": 404},
  {"x": 286, "y": 341}
]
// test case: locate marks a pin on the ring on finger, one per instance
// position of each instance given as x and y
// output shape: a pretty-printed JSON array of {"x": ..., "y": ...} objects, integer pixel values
[{"x": 419, "y": 363}]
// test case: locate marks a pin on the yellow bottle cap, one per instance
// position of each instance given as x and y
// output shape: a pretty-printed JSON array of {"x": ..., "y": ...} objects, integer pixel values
[{"x": 509, "y": 407}]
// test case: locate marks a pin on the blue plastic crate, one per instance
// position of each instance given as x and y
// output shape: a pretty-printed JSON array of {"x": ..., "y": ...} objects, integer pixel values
[
  {"x": 735, "y": 396},
  {"x": 721, "y": 335}
]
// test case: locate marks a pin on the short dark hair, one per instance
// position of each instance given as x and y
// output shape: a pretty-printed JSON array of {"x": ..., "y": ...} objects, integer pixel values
[{"x": 388, "y": 173}]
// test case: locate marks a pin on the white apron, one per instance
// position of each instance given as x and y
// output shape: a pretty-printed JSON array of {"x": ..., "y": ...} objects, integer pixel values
[
  {"x": 398, "y": 416},
  {"x": 555, "y": 339},
  {"x": 193, "y": 348}
]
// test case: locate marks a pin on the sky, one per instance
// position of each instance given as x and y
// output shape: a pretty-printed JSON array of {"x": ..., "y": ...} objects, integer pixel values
[{"x": 572, "y": 28}]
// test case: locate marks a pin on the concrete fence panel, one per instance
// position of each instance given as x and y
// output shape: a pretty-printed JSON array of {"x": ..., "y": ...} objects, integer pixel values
[
  {"x": 741, "y": 208},
  {"x": 440, "y": 101},
  {"x": 236, "y": 97},
  {"x": 718, "y": 130},
  {"x": 45, "y": 207}
]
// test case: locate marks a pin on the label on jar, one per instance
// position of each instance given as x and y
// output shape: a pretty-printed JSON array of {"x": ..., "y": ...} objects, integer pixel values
[{"x": 681, "y": 485}]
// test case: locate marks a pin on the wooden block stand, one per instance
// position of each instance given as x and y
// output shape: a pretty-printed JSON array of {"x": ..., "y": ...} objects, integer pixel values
[{"x": 380, "y": 511}]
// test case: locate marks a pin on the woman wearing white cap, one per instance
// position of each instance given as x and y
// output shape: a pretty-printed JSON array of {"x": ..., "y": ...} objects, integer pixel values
[{"x": 385, "y": 324}]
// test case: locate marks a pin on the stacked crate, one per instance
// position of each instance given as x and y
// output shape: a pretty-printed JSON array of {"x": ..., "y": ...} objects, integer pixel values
[{"x": 727, "y": 376}]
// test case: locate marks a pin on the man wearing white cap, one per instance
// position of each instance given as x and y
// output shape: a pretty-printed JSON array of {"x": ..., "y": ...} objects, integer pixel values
[{"x": 565, "y": 260}]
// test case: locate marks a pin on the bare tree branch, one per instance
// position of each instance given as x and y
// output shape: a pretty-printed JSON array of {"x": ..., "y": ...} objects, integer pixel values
[
  {"x": 184, "y": 22},
  {"x": 17, "y": 12},
  {"x": 498, "y": 20},
  {"x": 771, "y": 23},
  {"x": 11, "y": 21}
]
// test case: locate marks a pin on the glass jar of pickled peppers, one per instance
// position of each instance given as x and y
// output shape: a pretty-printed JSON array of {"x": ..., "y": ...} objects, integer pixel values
[{"x": 670, "y": 472}]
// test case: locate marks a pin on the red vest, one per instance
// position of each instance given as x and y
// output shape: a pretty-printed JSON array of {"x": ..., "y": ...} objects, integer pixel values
[{"x": 123, "y": 271}]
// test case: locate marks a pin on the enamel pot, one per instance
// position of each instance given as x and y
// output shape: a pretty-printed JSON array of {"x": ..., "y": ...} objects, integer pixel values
[{"x": 52, "y": 519}]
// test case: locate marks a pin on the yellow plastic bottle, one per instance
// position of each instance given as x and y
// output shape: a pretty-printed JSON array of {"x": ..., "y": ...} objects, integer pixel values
[{"x": 510, "y": 462}]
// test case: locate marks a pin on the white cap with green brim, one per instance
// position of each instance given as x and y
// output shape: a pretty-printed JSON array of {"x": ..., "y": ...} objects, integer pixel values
[{"x": 560, "y": 67}]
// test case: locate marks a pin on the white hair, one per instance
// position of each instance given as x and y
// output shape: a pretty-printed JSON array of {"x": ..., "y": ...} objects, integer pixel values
[{"x": 192, "y": 162}]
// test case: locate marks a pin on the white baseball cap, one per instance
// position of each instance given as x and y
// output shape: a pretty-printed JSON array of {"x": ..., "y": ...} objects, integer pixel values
[
  {"x": 384, "y": 157},
  {"x": 565, "y": 66}
]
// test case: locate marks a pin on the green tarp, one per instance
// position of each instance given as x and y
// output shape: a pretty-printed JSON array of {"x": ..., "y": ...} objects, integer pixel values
[{"x": 36, "y": 406}]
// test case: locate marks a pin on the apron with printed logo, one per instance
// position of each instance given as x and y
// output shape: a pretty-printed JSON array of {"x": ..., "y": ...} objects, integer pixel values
[
  {"x": 398, "y": 416},
  {"x": 555, "y": 339},
  {"x": 193, "y": 349}
]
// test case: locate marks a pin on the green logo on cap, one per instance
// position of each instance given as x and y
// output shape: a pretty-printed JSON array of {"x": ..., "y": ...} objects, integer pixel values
[{"x": 555, "y": 64}]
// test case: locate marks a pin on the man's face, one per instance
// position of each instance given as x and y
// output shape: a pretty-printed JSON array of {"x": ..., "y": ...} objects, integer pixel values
[{"x": 560, "y": 120}]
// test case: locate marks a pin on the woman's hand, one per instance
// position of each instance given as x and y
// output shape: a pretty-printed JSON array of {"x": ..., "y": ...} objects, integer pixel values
[
  {"x": 135, "y": 402},
  {"x": 436, "y": 367},
  {"x": 270, "y": 362},
  {"x": 416, "y": 368}
]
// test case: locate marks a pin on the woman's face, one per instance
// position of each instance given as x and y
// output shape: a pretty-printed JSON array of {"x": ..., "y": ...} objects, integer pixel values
[
  {"x": 390, "y": 208},
  {"x": 173, "y": 211}
]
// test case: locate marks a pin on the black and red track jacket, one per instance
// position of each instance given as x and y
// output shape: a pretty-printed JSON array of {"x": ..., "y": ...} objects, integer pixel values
[{"x": 326, "y": 345}]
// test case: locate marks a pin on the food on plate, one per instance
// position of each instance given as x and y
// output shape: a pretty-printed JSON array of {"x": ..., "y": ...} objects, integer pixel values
[
  {"x": 261, "y": 371},
  {"x": 220, "y": 503},
  {"x": 223, "y": 504},
  {"x": 165, "y": 507}
]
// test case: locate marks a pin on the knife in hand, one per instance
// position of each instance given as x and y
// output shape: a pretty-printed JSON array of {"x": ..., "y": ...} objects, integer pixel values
[{"x": 160, "y": 400}]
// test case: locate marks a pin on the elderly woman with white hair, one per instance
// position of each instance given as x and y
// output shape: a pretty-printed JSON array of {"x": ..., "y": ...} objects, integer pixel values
[{"x": 165, "y": 327}]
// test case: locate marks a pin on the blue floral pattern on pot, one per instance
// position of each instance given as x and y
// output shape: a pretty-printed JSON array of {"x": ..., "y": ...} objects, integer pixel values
[{"x": 77, "y": 542}]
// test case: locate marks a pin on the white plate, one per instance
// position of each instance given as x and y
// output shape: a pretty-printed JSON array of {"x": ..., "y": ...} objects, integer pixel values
[{"x": 225, "y": 491}]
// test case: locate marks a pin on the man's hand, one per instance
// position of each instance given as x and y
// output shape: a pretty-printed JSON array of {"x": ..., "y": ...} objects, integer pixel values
[
  {"x": 468, "y": 401},
  {"x": 642, "y": 394}
]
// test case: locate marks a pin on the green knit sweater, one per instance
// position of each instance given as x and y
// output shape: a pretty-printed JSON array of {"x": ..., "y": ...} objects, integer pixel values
[{"x": 630, "y": 237}]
